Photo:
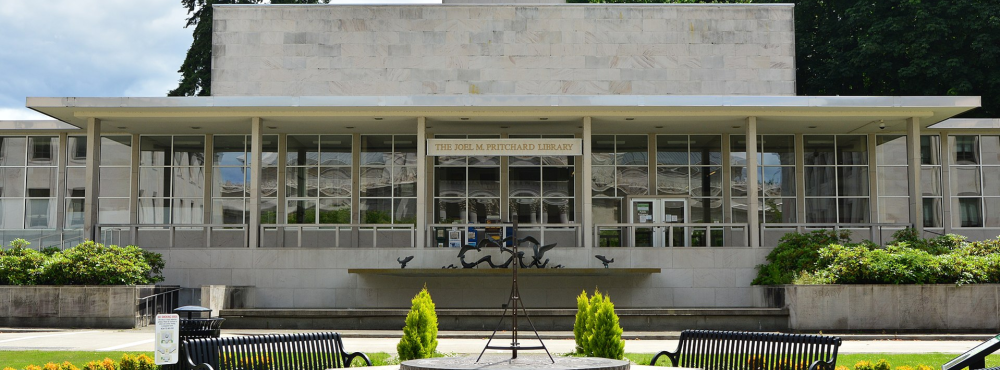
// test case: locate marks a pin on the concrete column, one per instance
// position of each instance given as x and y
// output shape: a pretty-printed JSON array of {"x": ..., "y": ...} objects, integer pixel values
[
  {"x": 421, "y": 184},
  {"x": 133, "y": 209},
  {"x": 800, "y": 179},
  {"x": 63, "y": 156},
  {"x": 873, "y": 191},
  {"x": 280, "y": 217},
  {"x": 253, "y": 203},
  {"x": 727, "y": 189},
  {"x": 356, "y": 186},
  {"x": 752, "y": 201},
  {"x": 504, "y": 184},
  {"x": 93, "y": 176},
  {"x": 946, "y": 162},
  {"x": 913, "y": 165},
  {"x": 586, "y": 196},
  {"x": 209, "y": 182},
  {"x": 651, "y": 165}
]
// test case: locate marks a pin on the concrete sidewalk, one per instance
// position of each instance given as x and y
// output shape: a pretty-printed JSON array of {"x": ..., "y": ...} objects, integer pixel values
[{"x": 454, "y": 342}]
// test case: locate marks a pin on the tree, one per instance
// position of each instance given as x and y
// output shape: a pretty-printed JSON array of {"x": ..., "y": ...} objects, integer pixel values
[
  {"x": 420, "y": 333},
  {"x": 196, "y": 71}
]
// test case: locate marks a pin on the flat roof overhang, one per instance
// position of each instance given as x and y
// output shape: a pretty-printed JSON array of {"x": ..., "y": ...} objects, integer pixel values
[{"x": 527, "y": 113}]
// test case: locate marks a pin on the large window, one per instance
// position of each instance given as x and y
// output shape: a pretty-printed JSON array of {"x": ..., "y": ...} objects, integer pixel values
[
  {"x": 171, "y": 179},
  {"x": 318, "y": 179},
  {"x": 115, "y": 180},
  {"x": 466, "y": 188},
  {"x": 28, "y": 170},
  {"x": 541, "y": 187},
  {"x": 836, "y": 178},
  {"x": 775, "y": 178},
  {"x": 231, "y": 179},
  {"x": 388, "y": 179},
  {"x": 691, "y": 166},
  {"x": 974, "y": 177},
  {"x": 620, "y": 168},
  {"x": 893, "y": 179}
]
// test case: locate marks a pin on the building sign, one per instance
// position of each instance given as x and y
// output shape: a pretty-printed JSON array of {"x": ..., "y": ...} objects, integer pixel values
[
  {"x": 166, "y": 338},
  {"x": 516, "y": 147}
]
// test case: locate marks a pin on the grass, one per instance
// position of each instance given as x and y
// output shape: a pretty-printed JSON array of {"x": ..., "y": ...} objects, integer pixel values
[
  {"x": 20, "y": 359},
  {"x": 934, "y": 360}
]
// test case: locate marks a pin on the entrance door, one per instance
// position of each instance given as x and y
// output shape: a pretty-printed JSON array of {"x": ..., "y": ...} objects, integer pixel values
[{"x": 659, "y": 211}]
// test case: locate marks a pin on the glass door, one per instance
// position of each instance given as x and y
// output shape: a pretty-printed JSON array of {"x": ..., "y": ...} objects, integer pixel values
[
  {"x": 675, "y": 211},
  {"x": 643, "y": 212},
  {"x": 657, "y": 212}
]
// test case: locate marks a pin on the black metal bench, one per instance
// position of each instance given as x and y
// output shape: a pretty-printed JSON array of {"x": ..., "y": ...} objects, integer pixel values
[
  {"x": 741, "y": 350},
  {"x": 304, "y": 351}
]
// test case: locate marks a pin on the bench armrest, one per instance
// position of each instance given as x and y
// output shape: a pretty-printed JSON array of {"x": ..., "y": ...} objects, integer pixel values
[
  {"x": 349, "y": 358},
  {"x": 672, "y": 356},
  {"x": 823, "y": 365},
  {"x": 203, "y": 367}
]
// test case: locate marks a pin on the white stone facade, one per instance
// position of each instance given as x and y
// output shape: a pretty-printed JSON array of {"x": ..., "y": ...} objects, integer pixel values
[{"x": 565, "y": 49}]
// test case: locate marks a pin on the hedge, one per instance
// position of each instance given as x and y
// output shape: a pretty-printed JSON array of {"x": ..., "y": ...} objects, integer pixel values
[{"x": 88, "y": 263}]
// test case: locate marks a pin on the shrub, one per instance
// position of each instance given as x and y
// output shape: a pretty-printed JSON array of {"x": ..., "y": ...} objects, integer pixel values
[
  {"x": 420, "y": 333},
  {"x": 796, "y": 253},
  {"x": 597, "y": 330},
  {"x": 863, "y": 365},
  {"x": 88, "y": 263},
  {"x": 106, "y": 364},
  {"x": 20, "y": 265},
  {"x": 580, "y": 324},
  {"x": 139, "y": 362}
]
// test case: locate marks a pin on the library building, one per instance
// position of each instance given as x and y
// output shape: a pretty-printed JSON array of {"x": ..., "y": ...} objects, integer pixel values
[{"x": 661, "y": 148}]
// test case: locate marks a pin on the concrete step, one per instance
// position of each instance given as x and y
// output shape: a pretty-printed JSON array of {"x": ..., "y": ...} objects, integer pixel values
[{"x": 665, "y": 319}]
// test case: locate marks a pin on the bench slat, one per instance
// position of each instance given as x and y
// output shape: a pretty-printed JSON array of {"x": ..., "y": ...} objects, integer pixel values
[{"x": 281, "y": 351}]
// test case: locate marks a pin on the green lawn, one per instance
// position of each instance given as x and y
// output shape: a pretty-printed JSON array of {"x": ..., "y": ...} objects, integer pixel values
[{"x": 19, "y": 359}]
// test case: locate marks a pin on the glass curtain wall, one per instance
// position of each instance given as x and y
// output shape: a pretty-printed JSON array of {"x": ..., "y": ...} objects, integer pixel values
[
  {"x": 691, "y": 166},
  {"x": 28, "y": 184},
  {"x": 620, "y": 168},
  {"x": 893, "y": 179},
  {"x": 388, "y": 193},
  {"x": 836, "y": 178},
  {"x": 113, "y": 201},
  {"x": 171, "y": 179},
  {"x": 775, "y": 178},
  {"x": 231, "y": 179},
  {"x": 541, "y": 187},
  {"x": 975, "y": 173},
  {"x": 318, "y": 179},
  {"x": 467, "y": 188}
]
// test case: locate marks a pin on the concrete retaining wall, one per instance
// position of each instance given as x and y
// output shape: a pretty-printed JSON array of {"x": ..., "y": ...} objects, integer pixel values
[
  {"x": 319, "y": 278},
  {"x": 894, "y": 307},
  {"x": 69, "y": 306}
]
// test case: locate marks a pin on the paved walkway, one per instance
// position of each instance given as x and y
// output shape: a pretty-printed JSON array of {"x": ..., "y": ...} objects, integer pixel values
[{"x": 450, "y": 342}]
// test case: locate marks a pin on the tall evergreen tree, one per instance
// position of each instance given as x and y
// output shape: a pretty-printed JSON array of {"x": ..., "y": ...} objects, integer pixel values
[{"x": 196, "y": 71}]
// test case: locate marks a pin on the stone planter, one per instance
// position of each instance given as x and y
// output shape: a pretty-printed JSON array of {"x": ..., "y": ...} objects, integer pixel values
[
  {"x": 966, "y": 308},
  {"x": 70, "y": 306}
]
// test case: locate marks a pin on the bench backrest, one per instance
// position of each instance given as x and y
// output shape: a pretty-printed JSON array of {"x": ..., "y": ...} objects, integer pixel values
[
  {"x": 281, "y": 351},
  {"x": 710, "y": 349}
]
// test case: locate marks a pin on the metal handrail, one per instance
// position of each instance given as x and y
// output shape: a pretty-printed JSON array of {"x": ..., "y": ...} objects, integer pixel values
[
  {"x": 670, "y": 229},
  {"x": 337, "y": 230},
  {"x": 541, "y": 228},
  {"x": 874, "y": 228},
  {"x": 150, "y": 306},
  {"x": 172, "y": 230}
]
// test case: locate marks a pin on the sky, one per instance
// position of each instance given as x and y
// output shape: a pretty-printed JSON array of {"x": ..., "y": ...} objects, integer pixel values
[{"x": 92, "y": 48}]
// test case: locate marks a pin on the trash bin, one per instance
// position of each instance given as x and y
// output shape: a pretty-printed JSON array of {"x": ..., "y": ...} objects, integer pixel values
[{"x": 194, "y": 328}]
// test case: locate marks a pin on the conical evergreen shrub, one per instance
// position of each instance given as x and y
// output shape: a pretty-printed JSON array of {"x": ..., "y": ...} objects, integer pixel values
[
  {"x": 420, "y": 333},
  {"x": 596, "y": 329}
]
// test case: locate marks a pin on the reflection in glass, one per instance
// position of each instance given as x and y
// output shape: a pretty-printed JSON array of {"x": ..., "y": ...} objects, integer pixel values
[
  {"x": 188, "y": 211},
  {"x": 229, "y": 182},
  {"x": 525, "y": 210},
  {"x": 154, "y": 211},
  {"x": 603, "y": 149},
  {"x": 376, "y": 182},
  {"x": 188, "y": 182},
  {"x": 852, "y": 181},
  {"x": 557, "y": 181},
  {"x": 42, "y": 150},
  {"x": 932, "y": 212},
  {"x": 189, "y": 151},
  {"x": 484, "y": 182},
  {"x": 673, "y": 180},
  {"x": 40, "y": 214},
  {"x": 13, "y": 151},
  {"x": 41, "y": 182},
  {"x": 965, "y": 149},
  {"x": 480, "y": 209},
  {"x": 821, "y": 181},
  {"x": 965, "y": 180},
  {"x": 930, "y": 180},
  {"x": 967, "y": 212},
  {"x": 335, "y": 182},
  {"x": 230, "y": 150},
  {"x": 269, "y": 211},
  {"x": 335, "y": 211},
  {"x": 992, "y": 211},
  {"x": 449, "y": 210},
  {"x": 376, "y": 150},
  {"x": 631, "y": 150},
  {"x": 603, "y": 181},
  {"x": 991, "y": 175},
  {"x": 930, "y": 149},
  {"x": 894, "y": 210},
  {"x": 632, "y": 180},
  {"x": 821, "y": 210},
  {"x": 376, "y": 211},
  {"x": 111, "y": 211},
  {"x": 300, "y": 211},
  {"x": 990, "y": 147},
  {"x": 893, "y": 181},
  {"x": 229, "y": 211},
  {"x": 819, "y": 150},
  {"x": 853, "y": 210},
  {"x": 74, "y": 213},
  {"x": 890, "y": 150},
  {"x": 672, "y": 150},
  {"x": 706, "y": 150},
  {"x": 153, "y": 150},
  {"x": 852, "y": 150},
  {"x": 115, "y": 151},
  {"x": 12, "y": 182},
  {"x": 114, "y": 181},
  {"x": 525, "y": 182},
  {"x": 706, "y": 181},
  {"x": 449, "y": 182},
  {"x": 76, "y": 148},
  {"x": 557, "y": 210},
  {"x": 12, "y": 213}
]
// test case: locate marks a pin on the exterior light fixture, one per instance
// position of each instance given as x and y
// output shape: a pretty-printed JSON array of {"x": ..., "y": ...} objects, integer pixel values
[
  {"x": 659, "y": 126},
  {"x": 272, "y": 127},
  {"x": 121, "y": 127},
  {"x": 630, "y": 118},
  {"x": 812, "y": 126},
  {"x": 378, "y": 118},
  {"x": 737, "y": 126},
  {"x": 465, "y": 118},
  {"x": 350, "y": 127},
  {"x": 504, "y": 126},
  {"x": 196, "y": 127},
  {"x": 543, "y": 118}
]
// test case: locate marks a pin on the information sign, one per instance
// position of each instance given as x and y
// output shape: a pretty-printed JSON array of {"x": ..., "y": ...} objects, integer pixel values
[
  {"x": 974, "y": 358},
  {"x": 166, "y": 338}
]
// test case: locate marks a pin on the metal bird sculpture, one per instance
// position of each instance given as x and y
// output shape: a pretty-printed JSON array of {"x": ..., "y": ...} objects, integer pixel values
[
  {"x": 605, "y": 260},
  {"x": 402, "y": 262}
]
